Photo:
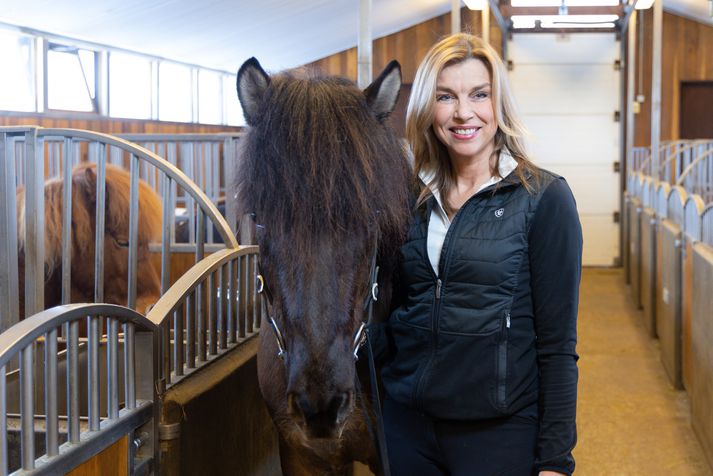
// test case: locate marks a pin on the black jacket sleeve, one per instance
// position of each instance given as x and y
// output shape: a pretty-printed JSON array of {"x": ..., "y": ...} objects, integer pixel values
[{"x": 555, "y": 240}]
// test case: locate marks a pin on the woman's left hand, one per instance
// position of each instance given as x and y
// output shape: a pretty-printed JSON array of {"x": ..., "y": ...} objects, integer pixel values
[{"x": 551, "y": 473}]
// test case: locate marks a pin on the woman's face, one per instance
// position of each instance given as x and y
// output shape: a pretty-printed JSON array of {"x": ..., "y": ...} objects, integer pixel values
[{"x": 464, "y": 120}]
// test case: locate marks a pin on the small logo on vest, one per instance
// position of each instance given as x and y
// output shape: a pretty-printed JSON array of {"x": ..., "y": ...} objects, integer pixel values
[{"x": 499, "y": 212}]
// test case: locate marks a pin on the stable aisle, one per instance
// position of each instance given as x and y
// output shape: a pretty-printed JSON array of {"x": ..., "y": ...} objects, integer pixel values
[{"x": 630, "y": 419}]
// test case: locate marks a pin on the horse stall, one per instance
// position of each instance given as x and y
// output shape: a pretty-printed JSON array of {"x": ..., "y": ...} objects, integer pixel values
[
  {"x": 647, "y": 254},
  {"x": 700, "y": 386},
  {"x": 668, "y": 318},
  {"x": 634, "y": 234},
  {"x": 107, "y": 360},
  {"x": 692, "y": 234}
]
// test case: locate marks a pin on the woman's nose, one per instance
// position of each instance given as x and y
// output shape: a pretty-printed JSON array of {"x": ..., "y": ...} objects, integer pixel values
[{"x": 463, "y": 111}]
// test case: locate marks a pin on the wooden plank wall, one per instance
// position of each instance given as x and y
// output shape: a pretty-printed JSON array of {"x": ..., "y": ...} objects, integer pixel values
[
  {"x": 110, "y": 125},
  {"x": 687, "y": 56},
  {"x": 408, "y": 46}
]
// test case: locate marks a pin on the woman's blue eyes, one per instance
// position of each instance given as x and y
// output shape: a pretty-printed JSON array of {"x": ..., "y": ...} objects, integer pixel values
[{"x": 475, "y": 95}]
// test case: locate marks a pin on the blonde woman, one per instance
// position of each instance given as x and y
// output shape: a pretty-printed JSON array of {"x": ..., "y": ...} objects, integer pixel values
[{"x": 481, "y": 376}]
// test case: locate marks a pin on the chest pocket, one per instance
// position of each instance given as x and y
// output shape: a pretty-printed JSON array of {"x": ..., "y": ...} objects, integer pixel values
[{"x": 482, "y": 271}]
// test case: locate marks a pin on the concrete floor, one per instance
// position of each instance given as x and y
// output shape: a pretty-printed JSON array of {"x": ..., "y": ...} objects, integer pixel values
[{"x": 630, "y": 419}]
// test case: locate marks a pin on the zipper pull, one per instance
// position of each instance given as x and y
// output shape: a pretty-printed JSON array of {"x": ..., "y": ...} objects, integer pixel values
[
  {"x": 507, "y": 320},
  {"x": 438, "y": 289}
]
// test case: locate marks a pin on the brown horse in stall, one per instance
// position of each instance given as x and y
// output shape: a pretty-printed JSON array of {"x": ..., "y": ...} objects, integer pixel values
[
  {"x": 116, "y": 238},
  {"x": 328, "y": 183}
]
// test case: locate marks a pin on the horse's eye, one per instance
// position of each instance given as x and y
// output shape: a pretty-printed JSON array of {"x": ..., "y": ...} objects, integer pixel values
[{"x": 122, "y": 243}]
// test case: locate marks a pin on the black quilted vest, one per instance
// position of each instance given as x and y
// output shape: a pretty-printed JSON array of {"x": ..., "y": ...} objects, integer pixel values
[{"x": 464, "y": 341}]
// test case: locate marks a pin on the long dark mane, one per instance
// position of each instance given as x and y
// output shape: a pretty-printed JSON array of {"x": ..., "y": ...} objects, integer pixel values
[{"x": 319, "y": 162}]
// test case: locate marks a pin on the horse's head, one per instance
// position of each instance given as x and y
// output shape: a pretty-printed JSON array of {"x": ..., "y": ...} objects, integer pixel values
[
  {"x": 325, "y": 177},
  {"x": 116, "y": 235}
]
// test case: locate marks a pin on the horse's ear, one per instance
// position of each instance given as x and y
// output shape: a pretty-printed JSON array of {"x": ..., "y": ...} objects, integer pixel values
[
  {"x": 252, "y": 84},
  {"x": 86, "y": 182},
  {"x": 382, "y": 94}
]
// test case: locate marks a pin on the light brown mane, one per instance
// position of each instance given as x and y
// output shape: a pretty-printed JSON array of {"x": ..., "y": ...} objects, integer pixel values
[{"x": 118, "y": 183}]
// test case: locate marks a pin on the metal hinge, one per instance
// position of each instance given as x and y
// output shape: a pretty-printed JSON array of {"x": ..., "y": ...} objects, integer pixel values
[
  {"x": 617, "y": 65},
  {"x": 511, "y": 65},
  {"x": 617, "y": 166},
  {"x": 617, "y": 217},
  {"x": 617, "y": 116}
]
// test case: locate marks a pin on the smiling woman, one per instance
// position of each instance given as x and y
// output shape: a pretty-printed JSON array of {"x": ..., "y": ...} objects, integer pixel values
[{"x": 481, "y": 376}]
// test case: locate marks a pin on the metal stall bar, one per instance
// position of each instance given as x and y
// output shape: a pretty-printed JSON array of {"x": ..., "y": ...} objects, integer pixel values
[
  {"x": 100, "y": 222},
  {"x": 243, "y": 292},
  {"x": 3, "y": 422},
  {"x": 51, "y": 414},
  {"x": 9, "y": 289},
  {"x": 34, "y": 224},
  {"x": 27, "y": 408},
  {"x": 73, "y": 383},
  {"x": 67, "y": 222},
  {"x": 232, "y": 304}
]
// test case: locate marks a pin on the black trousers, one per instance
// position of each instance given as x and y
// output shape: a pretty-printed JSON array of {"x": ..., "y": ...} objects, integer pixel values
[{"x": 422, "y": 446}]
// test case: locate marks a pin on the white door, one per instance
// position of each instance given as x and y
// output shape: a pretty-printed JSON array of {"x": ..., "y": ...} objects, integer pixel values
[{"x": 568, "y": 91}]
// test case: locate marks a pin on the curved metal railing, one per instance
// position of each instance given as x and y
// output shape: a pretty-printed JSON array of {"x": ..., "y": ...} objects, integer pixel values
[
  {"x": 697, "y": 177},
  {"x": 212, "y": 308},
  {"x": 692, "y": 217},
  {"x": 662, "y": 192},
  {"x": 208, "y": 159},
  {"x": 707, "y": 225},
  {"x": 57, "y": 389},
  {"x": 676, "y": 202},
  {"x": 28, "y": 153}
]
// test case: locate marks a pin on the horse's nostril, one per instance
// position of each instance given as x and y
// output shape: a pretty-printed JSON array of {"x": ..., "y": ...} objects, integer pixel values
[
  {"x": 338, "y": 404},
  {"x": 320, "y": 415}
]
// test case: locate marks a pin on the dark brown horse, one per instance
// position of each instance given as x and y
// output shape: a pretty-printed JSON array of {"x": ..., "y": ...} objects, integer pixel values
[
  {"x": 116, "y": 238},
  {"x": 327, "y": 180}
]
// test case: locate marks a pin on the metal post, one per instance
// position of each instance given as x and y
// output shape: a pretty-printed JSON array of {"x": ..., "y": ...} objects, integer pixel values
[
  {"x": 656, "y": 87},
  {"x": 34, "y": 223},
  {"x": 9, "y": 309},
  {"x": 485, "y": 23},
  {"x": 455, "y": 16},
  {"x": 364, "y": 52}
]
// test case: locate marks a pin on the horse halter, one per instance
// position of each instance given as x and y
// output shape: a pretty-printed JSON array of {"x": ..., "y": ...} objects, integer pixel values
[{"x": 359, "y": 336}]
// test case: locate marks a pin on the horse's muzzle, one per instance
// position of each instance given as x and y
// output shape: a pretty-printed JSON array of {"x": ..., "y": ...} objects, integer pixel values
[{"x": 321, "y": 417}]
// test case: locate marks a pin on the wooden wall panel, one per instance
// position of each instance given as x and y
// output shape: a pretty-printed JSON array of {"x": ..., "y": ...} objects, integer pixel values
[
  {"x": 113, "y": 460},
  {"x": 687, "y": 55},
  {"x": 408, "y": 46},
  {"x": 110, "y": 125}
]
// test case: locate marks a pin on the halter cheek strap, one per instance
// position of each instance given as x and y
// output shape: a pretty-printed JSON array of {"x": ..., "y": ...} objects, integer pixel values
[{"x": 359, "y": 336}]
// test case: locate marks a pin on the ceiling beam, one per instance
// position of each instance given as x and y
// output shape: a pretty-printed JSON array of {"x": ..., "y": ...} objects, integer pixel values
[{"x": 504, "y": 24}]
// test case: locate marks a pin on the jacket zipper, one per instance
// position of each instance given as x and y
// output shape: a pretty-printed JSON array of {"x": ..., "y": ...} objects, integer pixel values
[
  {"x": 445, "y": 254},
  {"x": 503, "y": 363}
]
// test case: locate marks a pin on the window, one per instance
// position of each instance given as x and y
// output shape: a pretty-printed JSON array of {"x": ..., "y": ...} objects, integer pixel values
[
  {"x": 210, "y": 105},
  {"x": 129, "y": 86},
  {"x": 233, "y": 111},
  {"x": 174, "y": 92},
  {"x": 70, "y": 78},
  {"x": 17, "y": 83}
]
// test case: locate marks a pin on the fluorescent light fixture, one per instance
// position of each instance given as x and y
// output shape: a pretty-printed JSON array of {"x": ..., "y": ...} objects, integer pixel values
[
  {"x": 644, "y": 4},
  {"x": 564, "y": 21},
  {"x": 569, "y": 3},
  {"x": 476, "y": 4}
]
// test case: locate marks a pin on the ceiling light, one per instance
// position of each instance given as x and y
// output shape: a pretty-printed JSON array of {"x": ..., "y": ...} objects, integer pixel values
[
  {"x": 644, "y": 4},
  {"x": 566, "y": 21},
  {"x": 476, "y": 4},
  {"x": 569, "y": 3}
]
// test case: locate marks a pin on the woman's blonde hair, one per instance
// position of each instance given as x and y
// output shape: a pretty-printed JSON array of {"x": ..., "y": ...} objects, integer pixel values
[{"x": 429, "y": 153}]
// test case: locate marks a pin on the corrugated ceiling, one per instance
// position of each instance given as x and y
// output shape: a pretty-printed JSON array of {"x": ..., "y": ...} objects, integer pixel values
[{"x": 221, "y": 34}]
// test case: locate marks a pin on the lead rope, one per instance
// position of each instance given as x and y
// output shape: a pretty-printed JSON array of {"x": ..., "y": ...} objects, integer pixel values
[{"x": 379, "y": 435}]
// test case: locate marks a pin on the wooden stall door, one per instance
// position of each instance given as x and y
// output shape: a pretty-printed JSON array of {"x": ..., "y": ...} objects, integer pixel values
[{"x": 696, "y": 115}]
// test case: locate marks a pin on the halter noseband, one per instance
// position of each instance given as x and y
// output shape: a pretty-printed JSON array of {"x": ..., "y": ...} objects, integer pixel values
[{"x": 360, "y": 334}]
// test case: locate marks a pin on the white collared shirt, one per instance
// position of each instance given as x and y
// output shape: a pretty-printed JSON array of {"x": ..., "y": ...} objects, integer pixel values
[{"x": 439, "y": 223}]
